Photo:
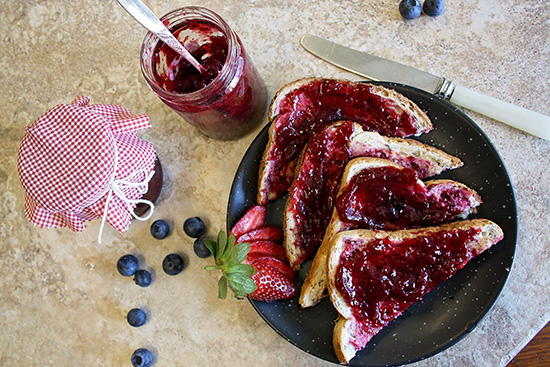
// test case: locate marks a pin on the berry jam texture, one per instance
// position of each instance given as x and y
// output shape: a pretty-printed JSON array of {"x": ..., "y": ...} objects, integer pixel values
[
  {"x": 313, "y": 193},
  {"x": 391, "y": 198},
  {"x": 226, "y": 102},
  {"x": 316, "y": 185},
  {"x": 379, "y": 279},
  {"x": 206, "y": 43},
  {"x": 316, "y": 104}
]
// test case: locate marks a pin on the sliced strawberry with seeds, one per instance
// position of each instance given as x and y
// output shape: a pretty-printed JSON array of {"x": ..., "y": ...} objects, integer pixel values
[
  {"x": 267, "y": 260},
  {"x": 254, "y": 218},
  {"x": 268, "y": 248},
  {"x": 271, "y": 233},
  {"x": 272, "y": 285}
]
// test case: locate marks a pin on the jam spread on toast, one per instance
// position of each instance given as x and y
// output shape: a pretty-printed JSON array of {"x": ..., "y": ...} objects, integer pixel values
[
  {"x": 305, "y": 110},
  {"x": 380, "y": 278},
  {"x": 316, "y": 186},
  {"x": 391, "y": 198},
  {"x": 313, "y": 193}
]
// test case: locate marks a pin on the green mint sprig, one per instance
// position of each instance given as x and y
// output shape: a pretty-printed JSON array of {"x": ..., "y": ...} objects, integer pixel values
[{"x": 229, "y": 257}]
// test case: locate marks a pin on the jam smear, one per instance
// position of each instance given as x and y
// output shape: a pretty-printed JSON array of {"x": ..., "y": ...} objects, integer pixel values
[
  {"x": 206, "y": 43},
  {"x": 379, "y": 279},
  {"x": 313, "y": 193},
  {"x": 316, "y": 185},
  {"x": 391, "y": 198},
  {"x": 307, "y": 109}
]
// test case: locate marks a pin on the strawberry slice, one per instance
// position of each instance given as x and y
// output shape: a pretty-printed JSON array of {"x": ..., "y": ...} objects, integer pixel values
[
  {"x": 270, "y": 233},
  {"x": 268, "y": 248},
  {"x": 272, "y": 284},
  {"x": 254, "y": 218},
  {"x": 263, "y": 259}
]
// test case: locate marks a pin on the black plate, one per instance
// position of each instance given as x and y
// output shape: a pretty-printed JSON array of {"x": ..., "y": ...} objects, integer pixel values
[{"x": 448, "y": 312}]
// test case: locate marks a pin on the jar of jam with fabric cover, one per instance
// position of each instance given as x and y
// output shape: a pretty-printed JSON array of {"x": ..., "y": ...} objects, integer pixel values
[{"x": 80, "y": 161}]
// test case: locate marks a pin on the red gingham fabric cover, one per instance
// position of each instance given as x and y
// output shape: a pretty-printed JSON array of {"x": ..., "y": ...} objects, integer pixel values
[{"x": 70, "y": 157}]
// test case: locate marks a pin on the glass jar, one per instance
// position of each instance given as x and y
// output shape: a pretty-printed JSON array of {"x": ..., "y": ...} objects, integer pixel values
[{"x": 226, "y": 103}]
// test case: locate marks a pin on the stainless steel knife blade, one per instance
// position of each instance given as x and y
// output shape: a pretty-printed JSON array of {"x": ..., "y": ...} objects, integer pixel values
[
  {"x": 370, "y": 66},
  {"x": 379, "y": 69}
]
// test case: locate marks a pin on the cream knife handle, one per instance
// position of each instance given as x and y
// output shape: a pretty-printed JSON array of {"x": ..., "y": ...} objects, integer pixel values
[{"x": 521, "y": 118}]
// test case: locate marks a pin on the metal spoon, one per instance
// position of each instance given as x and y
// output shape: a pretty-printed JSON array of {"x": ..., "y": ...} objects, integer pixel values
[{"x": 145, "y": 17}]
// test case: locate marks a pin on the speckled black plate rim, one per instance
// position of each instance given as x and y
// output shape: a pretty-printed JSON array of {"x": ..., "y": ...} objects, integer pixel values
[{"x": 243, "y": 196}]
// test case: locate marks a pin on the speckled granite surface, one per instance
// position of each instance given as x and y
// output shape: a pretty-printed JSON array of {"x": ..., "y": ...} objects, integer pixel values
[{"x": 62, "y": 302}]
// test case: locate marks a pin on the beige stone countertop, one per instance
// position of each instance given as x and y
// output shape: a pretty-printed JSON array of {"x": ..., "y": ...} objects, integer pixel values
[{"x": 62, "y": 301}]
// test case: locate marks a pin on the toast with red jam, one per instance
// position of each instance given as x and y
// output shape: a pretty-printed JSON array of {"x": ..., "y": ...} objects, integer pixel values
[
  {"x": 301, "y": 108},
  {"x": 373, "y": 276},
  {"x": 319, "y": 170},
  {"x": 376, "y": 193}
]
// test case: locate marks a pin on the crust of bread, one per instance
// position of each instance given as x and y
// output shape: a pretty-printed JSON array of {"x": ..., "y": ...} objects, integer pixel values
[
  {"x": 266, "y": 170},
  {"x": 263, "y": 196},
  {"x": 273, "y": 110},
  {"x": 314, "y": 288},
  {"x": 437, "y": 160},
  {"x": 490, "y": 234},
  {"x": 341, "y": 340}
]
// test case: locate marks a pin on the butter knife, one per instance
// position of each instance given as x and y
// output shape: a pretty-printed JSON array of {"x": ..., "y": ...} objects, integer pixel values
[{"x": 376, "y": 68}]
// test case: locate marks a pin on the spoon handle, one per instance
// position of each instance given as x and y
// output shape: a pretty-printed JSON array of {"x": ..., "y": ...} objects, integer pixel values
[{"x": 145, "y": 17}]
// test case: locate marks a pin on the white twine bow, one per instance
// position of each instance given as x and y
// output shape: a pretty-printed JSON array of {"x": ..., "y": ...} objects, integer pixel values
[{"x": 117, "y": 187}]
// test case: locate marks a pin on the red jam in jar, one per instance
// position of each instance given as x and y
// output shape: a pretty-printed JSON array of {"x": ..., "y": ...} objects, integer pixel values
[
  {"x": 225, "y": 103},
  {"x": 154, "y": 189},
  {"x": 379, "y": 279},
  {"x": 206, "y": 43}
]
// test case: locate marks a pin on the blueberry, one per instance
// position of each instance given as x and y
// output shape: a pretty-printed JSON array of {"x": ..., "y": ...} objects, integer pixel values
[
  {"x": 136, "y": 317},
  {"x": 160, "y": 229},
  {"x": 200, "y": 248},
  {"x": 172, "y": 264},
  {"x": 142, "y": 358},
  {"x": 433, "y": 8},
  {"x": 194, "y": 227},
  {"x": 127, "y": 265},
  {"x": 410, "y": 9},
  {"x": 143, "y": 278}
]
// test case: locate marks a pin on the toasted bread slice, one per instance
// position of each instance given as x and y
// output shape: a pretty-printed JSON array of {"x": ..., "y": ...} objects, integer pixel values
[
  {"x": 462, "y": 201},
  {"x": 301, "y": 107},
  {"x": 309, "y": 204},
  {"x": 454, "y": 244}
]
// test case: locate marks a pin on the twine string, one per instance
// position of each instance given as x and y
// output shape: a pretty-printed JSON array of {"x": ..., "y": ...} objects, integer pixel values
[{"x": 117, "y": 188}]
